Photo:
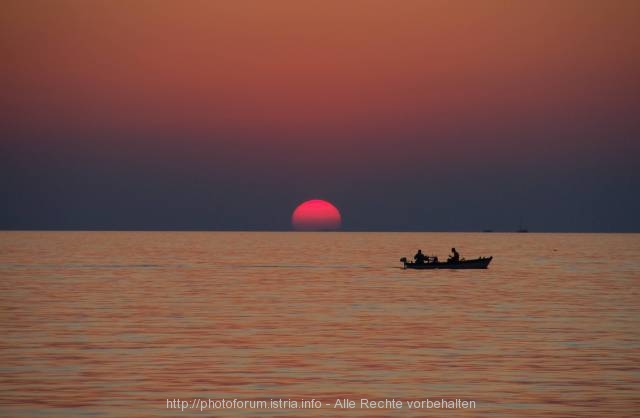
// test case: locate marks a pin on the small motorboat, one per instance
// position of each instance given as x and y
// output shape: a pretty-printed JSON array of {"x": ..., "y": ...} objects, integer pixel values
[{"x": 431, "y": 263}]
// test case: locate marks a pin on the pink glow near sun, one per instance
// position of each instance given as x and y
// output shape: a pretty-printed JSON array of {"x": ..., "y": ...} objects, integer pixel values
[{"x": 316, "y": 215}]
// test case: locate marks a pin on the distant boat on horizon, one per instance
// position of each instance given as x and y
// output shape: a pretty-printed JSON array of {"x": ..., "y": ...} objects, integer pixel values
[{"x": 521, "y": 228}]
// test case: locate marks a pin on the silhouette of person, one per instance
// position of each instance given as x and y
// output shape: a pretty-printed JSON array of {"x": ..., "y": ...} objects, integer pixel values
[
  {"x": 455, "y": 257},
  {"x": 419, "y": 257}
]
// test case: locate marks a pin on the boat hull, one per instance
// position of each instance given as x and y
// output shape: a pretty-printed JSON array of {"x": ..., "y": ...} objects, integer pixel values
[{"x": 477, "y": 263}]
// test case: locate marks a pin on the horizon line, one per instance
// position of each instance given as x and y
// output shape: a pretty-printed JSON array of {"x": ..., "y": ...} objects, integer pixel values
[{"x": 321, "y": 231}]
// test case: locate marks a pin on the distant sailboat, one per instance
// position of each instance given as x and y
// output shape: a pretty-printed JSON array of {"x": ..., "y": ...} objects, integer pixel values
[{"x": 521, "y": 228}]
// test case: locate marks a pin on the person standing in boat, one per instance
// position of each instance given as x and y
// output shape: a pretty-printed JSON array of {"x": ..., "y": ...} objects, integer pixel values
[
  {"x": 454, "y": 257},
  {"x": 419, "y": 257}
]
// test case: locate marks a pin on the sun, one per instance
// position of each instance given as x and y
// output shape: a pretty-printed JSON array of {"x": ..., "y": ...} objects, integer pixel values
[{"x": 316, "y": 215}]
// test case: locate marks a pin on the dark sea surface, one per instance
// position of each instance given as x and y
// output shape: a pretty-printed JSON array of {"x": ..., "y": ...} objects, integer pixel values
[{"x": 121, "y": 324}]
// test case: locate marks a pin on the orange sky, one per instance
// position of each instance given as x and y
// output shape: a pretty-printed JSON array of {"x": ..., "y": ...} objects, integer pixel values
[
  {"x": 335, "y": 68},
  {"x": 287, "y": 87}
]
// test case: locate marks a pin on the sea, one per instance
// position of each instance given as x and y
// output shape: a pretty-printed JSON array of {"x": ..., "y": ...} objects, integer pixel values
[{"x": 303, "y": 324}]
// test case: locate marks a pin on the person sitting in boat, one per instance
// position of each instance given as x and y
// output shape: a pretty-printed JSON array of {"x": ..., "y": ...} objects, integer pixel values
[
  {"x": 419, "y": 257},
  {"x": 454, "y": 257}
]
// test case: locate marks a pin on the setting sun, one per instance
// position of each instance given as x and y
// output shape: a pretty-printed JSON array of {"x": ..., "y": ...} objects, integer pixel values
[{"x": 316, "y": 215}]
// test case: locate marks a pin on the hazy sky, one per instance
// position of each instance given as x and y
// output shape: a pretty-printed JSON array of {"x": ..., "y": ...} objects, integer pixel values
[{"x": 425, "y": 115}]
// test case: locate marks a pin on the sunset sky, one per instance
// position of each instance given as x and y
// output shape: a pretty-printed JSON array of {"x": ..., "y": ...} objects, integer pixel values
[{"x": 406, "y": 115}]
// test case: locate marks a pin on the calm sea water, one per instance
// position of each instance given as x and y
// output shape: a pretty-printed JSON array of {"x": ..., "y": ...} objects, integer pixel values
[{"x": 117, "y": 324}]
